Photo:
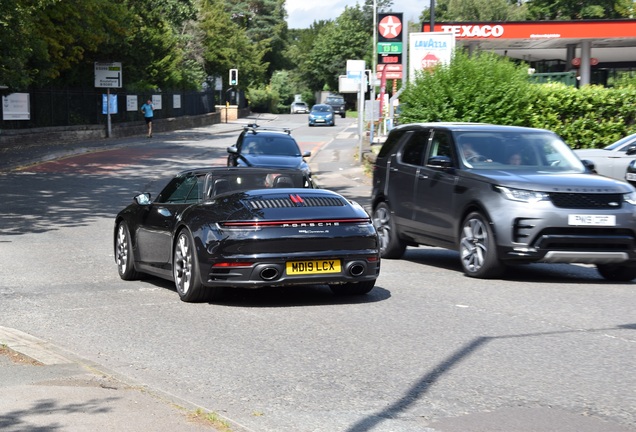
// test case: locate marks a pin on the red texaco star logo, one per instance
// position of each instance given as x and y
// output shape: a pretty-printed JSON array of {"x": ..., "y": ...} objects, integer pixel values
[{"x": 390, "y": 27}]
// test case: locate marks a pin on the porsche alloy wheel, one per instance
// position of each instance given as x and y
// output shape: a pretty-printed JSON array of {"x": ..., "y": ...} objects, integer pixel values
[
  {"x": 477, "y": 248},
  {"x": 185, "y": 269},
  {"x": 390, "y": 244},
  {"x": 124, "y": 253}
]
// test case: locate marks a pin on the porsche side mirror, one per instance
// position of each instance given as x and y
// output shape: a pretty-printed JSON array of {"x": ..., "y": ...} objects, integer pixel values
[{"x": 143, "y": 199}]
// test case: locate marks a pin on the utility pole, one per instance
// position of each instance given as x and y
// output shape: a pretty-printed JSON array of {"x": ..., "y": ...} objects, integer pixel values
[{"x": 374, "y": 55}]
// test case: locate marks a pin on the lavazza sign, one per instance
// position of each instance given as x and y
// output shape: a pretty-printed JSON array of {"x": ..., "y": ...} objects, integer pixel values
[{"x": 468, "y": 31}]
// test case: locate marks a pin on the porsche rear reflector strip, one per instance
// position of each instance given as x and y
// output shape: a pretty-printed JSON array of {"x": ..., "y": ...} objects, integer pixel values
[
  {"x": 296, "y": 200},
  {"x": 294, "y": 223}
]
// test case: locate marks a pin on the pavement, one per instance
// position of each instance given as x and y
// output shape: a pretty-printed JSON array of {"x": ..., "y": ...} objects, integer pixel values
[{"x": 44, "y": 388}]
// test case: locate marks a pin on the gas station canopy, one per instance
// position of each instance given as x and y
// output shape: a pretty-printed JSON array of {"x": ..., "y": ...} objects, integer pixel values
[{"x": 606, "y": 43}]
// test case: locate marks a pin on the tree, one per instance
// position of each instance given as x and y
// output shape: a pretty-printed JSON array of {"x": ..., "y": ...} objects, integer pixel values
[
  {"x": 16, "y": 47},
  {"x": 263, "y": 22},
  {"x": 160, "y": 49},
  {"x": 55, "y": 43},
  {"x": 480, "y": 88},
  {"x": 380, "y": 6},
  {"x": 346, "y": 38},
  {"x": 477, "y": 10},
  {"x": 228, "y": 47},
  {"x": 549, "y": 10},
  {"x": 281, "y": 85},
  {"x": 43, "y": 39},
  {"x": 299, "y": 46},
  {"x": 162, "y": 44}
]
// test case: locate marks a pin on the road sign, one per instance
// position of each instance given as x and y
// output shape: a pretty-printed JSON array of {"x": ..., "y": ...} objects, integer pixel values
[
  {"x": 427, "y": 49},
  {"x": 355, "y": 69},
  {"x": 389, "y": 67},
  {"x": 392, "y": 75},
  {"x": 16, "y": 106},
  {"x": 355, "y": 76},
  {"x": 389, "y": 47},
  {"x": 390, "y": 27},
  {"x": 389, "y": 58},
  {"x": 108, "y": 75},
  {"x": 111, "y": 108},
  {"x": 393, "y": 70}
]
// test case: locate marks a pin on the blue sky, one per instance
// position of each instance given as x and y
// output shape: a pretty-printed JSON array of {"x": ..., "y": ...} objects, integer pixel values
[{"x": 302, "y": 13}]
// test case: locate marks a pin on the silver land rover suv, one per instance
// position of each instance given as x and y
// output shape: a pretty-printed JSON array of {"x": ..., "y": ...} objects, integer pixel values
[{"x": 500, "y": 195}]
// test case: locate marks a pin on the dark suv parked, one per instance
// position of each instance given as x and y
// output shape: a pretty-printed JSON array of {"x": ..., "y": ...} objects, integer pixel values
[
  {"x": 500, "y": 195},
  {"x": 337, "y": 102}
]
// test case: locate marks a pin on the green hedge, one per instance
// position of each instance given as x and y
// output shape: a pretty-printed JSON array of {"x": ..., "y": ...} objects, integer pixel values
[
  {"x": 589, "y": 117},
  {"x": 492, "y": 89}
]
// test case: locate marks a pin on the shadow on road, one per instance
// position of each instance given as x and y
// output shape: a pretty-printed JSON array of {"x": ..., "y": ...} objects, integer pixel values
[
  {"x": 422, "y": 386},
  {"x": 282, "y": 297},
  {"x": 77, "y": 190}
]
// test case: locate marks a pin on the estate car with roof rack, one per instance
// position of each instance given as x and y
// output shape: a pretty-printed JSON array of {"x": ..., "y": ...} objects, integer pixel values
[
  {"x": 271, "y": 147},
  {"x": 500, "y": 195}
]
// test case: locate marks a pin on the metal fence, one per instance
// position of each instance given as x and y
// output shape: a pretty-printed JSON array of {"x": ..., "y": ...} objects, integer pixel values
[{"x": 50, "y": 108}]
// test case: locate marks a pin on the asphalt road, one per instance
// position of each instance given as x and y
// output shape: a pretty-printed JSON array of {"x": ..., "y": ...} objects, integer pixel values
[{"x": 546, "y": 348}]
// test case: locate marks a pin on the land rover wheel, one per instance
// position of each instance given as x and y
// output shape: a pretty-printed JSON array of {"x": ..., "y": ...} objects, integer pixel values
[
  {"x": 390, "y": 244},
  {"x": 477, "y": 249}
]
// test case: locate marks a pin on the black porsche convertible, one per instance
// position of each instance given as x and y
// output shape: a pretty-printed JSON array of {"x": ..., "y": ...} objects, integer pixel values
[{"x": 215, "y": 228}]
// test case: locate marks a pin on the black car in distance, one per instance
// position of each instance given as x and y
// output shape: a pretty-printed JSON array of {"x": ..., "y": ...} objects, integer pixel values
[
  {"x": 500, "y": 195},
  {"x": 211, "y": 229},
  {"x": 259, "y": 146},
  {"x": 337, "y": 103}
]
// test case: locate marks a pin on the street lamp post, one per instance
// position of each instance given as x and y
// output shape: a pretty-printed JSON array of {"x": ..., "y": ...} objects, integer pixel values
[{"x": 374, "y": 57}]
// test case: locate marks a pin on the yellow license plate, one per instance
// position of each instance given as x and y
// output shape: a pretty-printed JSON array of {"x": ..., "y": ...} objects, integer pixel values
[{"x": 313, "y": 267}]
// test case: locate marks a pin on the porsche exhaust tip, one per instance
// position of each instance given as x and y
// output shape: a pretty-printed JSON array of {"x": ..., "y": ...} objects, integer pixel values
[
  {"x": 269, "y": 273},
  {"x": 357, "y": 268}
]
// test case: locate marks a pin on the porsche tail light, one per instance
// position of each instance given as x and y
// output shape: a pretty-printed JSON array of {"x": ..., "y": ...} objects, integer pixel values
[
  {"x": 293, "y": 223},
  {"x": 226, "y": 264}
]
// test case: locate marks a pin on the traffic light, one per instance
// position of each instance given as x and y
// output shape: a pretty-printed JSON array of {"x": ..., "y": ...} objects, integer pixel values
[
  {"x": 233, "y": 77},
  {"x": 370, "y": 78}
]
